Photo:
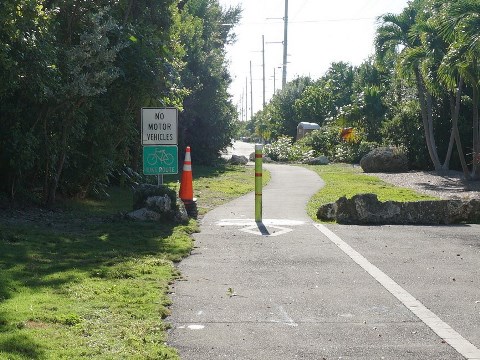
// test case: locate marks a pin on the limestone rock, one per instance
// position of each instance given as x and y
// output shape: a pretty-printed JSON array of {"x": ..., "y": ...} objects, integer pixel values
[
  {"x": 367, "y": 209},
  {"x": 157, "y": 203},
  {"x": 144, "y": 214},
  {"x": 321, "y": 160},
  {"x": 238, "y": 160},
  {"x": 142, "y": 192},
  {"x": 384, "y": 159},
  {"x": 181, "y": 216},
  {"x": 265, "y": 159}
]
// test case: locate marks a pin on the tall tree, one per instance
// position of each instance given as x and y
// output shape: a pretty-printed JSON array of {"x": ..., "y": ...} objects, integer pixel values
[
  {"x": 75, "y": 72},
  {"x": 282, "y": 115},
  {"x": 399, "y": 32},
  {"x": 207, "y": 123},
  {"x": 459, "y": 23}
]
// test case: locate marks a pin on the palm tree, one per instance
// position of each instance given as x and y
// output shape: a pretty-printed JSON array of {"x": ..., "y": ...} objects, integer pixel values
[
  {"x": 401, "y": 32},
  {"x": 436, "y": 47},
  {"x": 460, "y": 25}
]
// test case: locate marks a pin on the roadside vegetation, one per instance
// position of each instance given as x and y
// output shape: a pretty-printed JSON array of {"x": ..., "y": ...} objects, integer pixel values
[
  {"x": 84, "y": 282},
  {"x": 418, "y": 92},
  {"x": 217, "y": 186},
  {"x": 81, "y": 281},
  {"x": 347, "y": 180},
  {"x": 74, "y": 76}
]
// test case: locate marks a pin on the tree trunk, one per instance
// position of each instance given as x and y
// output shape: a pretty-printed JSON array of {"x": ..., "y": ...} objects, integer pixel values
[
  {"x": 430, "y": 128},
  {"x": 136, "y": 151},
  {"x": 46, "y": 147},
  {"x": 53, "y": 183},
  {"x": 451, "y": 142},
  {"x": 455, "y": 115},
  {"x": 426, "y": 111},
  {"x": 476, "y": 135},
  {"x": 448, "y": 155},
  {"x": 127, "y": 12}
]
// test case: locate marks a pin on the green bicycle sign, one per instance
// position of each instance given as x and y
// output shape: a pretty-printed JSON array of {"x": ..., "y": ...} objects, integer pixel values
[{"x": 160, "y": 160}]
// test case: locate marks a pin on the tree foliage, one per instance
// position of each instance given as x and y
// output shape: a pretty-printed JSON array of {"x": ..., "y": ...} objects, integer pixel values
[
  {"x": 419, "y": 92},
  {"x": 74, "y": 75}
]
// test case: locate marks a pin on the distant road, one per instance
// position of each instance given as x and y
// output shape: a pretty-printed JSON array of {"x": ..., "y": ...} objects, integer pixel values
[{"x": 240, "y": 148}]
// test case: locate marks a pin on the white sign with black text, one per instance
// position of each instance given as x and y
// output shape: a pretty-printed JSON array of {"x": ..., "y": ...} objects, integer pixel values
[{"x": 159, "y": 126}]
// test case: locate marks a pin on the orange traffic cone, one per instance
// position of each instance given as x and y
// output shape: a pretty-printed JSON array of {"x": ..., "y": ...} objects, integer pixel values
[{"x": 186, "y": 184}]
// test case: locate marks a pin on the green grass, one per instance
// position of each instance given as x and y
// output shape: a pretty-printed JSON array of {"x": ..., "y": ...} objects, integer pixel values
[
  {"x": 346, "y": 180},
  {"x": 84, "y": 282},
  {"x": 214, "y": 188}
]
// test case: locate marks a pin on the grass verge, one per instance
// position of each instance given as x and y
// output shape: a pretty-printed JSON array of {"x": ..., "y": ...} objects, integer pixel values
[
  {"x": 346, "y": 180},
  {"x": 83, "y": 282},
  {"x": 214, "y": 188}
]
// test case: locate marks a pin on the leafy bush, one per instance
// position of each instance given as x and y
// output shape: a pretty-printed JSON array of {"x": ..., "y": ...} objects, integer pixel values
[
  {"x": 284, "y": 150},
  {"x": 323, "y": 141},
  {"x": 402, "y": 131},
  {"x": 349, "y": 152},
  {"x": 327, "y": 141}
]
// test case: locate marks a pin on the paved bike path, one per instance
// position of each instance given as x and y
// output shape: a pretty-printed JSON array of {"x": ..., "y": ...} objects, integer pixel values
[{"x": 284, "y": 290}]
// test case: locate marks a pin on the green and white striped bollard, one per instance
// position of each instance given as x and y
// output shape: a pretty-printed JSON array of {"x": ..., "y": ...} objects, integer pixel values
[{"x": 258, "y": 182}]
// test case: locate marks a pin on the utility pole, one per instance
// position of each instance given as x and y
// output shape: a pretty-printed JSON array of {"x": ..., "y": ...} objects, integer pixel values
[
  {"x": 263, "y": 65},
  {"x": 285, "y": 35},
  {"x": 263, "y": 57},
  {"x": 241, "y": 105},
  {"x": 251, "y": 92},
  {"x": 246, "y": 98},
  {"x": 274, "y": 81}
]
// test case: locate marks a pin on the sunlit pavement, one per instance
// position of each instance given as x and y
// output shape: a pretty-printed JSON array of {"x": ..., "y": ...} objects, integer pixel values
[{"x": 287, "y": 288}]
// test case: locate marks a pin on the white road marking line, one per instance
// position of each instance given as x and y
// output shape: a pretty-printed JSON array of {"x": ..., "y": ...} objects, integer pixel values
[
  {"x": 442, "y": 329},
  {"x": 195, "y": 327},
  {"x": 287, "y": 320},
  {"x": 251, "y": 222}
]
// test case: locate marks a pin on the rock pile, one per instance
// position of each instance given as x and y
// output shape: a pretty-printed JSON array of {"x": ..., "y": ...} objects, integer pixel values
[
  {"x": 366, "y": 209},
  {"x": 321, "y": 160},
  {"x": 265, "y": 159},
  {"x": 157, "y": 203},
  {"x": 238, "y": 160}
]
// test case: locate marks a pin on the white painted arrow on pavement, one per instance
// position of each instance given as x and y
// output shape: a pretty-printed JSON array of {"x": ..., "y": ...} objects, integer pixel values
[{"x": 262, "y": 228}]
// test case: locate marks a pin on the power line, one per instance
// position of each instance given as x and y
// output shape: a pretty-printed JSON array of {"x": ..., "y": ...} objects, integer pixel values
[
  {"x": 300, "y": 9},
  {"x": 307, "y": 21},
  {"x": 330, "y": 20}
]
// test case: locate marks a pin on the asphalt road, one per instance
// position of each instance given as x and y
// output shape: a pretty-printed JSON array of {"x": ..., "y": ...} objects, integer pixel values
[
  {"x": 291, "y": 289},
  {"x": 240, "y": 148}
]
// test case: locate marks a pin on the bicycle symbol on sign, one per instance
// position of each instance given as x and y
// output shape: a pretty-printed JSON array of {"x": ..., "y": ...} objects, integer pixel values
[{"x": 160, "y": 156}]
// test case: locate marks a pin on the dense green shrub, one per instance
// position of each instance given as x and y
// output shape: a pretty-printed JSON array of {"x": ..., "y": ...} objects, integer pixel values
[
  {"x": 284, "y": 150},
  {"x": 327, "y": 141},
  {"x": 323, "y": 141},
  {"x": 74, "y": 76}
]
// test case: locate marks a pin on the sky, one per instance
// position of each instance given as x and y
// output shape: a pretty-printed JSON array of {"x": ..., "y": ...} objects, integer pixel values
[{"x": 319, "y": 32}]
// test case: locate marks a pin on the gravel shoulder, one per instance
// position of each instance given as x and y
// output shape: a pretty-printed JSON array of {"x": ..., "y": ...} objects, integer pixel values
[{"x": 447, "y": 185}]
